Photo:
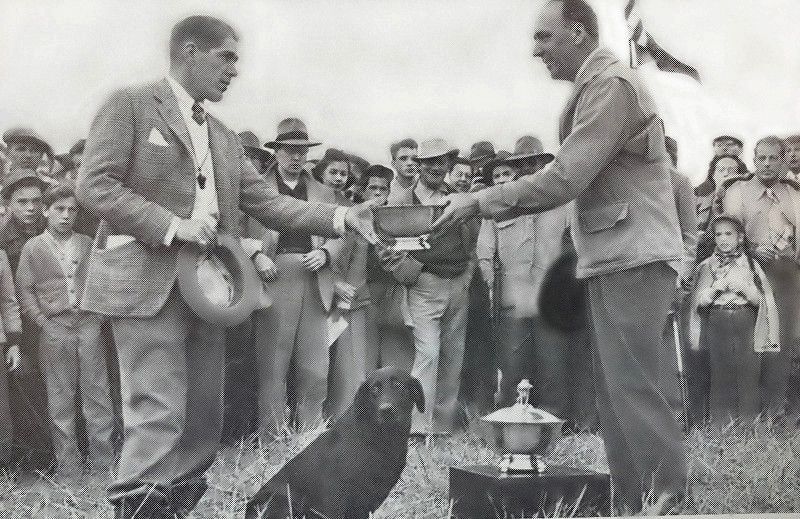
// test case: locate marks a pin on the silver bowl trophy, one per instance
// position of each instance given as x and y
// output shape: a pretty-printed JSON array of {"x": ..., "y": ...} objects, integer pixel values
[
  {"x": 405, "y": 227},
  {"x": 523, "y": 434},
  {"x": 522, "y": 484}
]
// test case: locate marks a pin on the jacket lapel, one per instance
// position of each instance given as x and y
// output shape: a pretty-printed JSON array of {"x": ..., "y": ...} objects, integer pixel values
[{"x": 168, "y": 108}]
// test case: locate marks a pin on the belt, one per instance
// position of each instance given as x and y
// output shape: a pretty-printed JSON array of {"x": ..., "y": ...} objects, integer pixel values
[{"x": 292, "y": 250}]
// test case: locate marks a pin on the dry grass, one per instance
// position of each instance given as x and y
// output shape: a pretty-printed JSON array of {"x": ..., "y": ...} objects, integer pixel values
[{"x": 739, "y": 468}]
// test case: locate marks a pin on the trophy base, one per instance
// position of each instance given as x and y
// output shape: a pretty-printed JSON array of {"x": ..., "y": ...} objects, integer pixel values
[
  {"x": 483, "y": 491},
  {"x": 522, "y": 463}
]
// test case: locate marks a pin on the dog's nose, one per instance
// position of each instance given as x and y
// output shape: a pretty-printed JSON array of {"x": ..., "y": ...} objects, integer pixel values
[{"x": 386, "y": 410}]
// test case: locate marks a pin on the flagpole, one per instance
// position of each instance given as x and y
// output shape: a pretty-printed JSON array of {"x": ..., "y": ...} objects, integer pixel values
[{"x": 634, "y": 58}]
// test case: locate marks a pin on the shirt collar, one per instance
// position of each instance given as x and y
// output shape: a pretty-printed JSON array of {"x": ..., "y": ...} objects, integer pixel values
[
  {"x": 586, "y": 62},
  {"x": 185, "y": 101}
]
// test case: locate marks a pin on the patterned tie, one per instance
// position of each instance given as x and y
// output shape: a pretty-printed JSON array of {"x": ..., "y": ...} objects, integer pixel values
[{"x": 198, "y": 113}]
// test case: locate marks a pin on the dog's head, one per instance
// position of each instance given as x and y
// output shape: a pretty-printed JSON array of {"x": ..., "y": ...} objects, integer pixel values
[{"x": 388, "y": 396}]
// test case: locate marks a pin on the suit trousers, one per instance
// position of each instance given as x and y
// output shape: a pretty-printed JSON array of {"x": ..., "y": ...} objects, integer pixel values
[
  {"x": 643, "y": 440},
  {"x": 291, "y": 349},
  {"x": 349, "y": 361},
  {"x": 6, "y": 429},
  {"x": 395, "y": 344},
  {"x": 439, "y": 311},
  {"x": 784, "y": 277},
  {"x": 73, "y": 361},
  {"x": 531, "y": 348},
  {"x": 171, "y": 379}
]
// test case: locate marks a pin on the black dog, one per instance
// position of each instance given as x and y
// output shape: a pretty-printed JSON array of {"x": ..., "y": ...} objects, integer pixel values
[{"x": 348, "y": 471}]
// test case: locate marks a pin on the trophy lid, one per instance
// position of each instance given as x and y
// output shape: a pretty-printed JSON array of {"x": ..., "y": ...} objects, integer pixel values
[{"x": 522, "y": 411}]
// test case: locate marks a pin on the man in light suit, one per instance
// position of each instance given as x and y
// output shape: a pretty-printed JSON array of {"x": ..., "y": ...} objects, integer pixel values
[
  {"x": 613, "y": 163},
  {"x": 160, "y": 172},
  {"x": 291, "y": 335}
]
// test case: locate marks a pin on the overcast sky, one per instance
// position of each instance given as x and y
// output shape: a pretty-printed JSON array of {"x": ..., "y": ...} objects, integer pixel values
[{"x": 363, "y": 73}]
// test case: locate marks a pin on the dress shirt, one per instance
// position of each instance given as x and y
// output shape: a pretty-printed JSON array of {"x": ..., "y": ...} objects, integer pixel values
[
  {"x": 771, "y": 222},
  {"x": 65, "y": 253},
  {"x": 206, "y": 206},
  {"x": 428, "y": 196}
]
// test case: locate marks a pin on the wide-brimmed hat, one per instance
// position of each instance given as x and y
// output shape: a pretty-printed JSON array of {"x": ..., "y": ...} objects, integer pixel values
[
  {"x": 481, "y": 153},
  {"x": 737, "y": 140},
  {"x": 500, "y": 158},
  {"x": 21, "y": 134},
  {"x": 246, "y": 283},
  {"x": 433, "y": 148},
  {"x": 19, "y": 175},
  {"x": 252, "y": 146},
  {"x": 528, "y": 147},
  {"x": 291, "y": 132}
]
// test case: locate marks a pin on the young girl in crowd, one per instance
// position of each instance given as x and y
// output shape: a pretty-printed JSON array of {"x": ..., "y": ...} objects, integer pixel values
[{"x": 738, "y": 321}]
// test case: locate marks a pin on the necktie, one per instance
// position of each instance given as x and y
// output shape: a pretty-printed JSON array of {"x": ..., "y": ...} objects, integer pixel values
[{"x": 198, "y": 113}]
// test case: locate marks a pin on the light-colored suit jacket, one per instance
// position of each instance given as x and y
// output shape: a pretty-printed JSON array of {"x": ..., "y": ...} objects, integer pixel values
[
  {"x": 41, "y": 282},
  {"x": 526, "y": 247},
  {"x": 614, "y": 164},
  {"x": 137, "y": 186},
  {"x": 327, "y": 275}
]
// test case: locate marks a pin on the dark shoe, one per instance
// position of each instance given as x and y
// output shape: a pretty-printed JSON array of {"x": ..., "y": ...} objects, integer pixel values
[
  {"x": 151, "y": 506},
  {"x": 185, "y": 496}
]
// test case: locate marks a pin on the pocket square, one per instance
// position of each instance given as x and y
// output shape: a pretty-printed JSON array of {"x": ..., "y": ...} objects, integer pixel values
[{"x": 156, "y": 138}]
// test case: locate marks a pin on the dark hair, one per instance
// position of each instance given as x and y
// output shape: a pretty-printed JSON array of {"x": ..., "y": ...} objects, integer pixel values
[
  {"x": 376, "y": 171},
  {"x": 206, "y": 32},
  {"x": 709, "y": 186},
  {"x": 331, "y": 155},
  {"x": 578, "y": 11},
  {"x": 792, "y": 139},
  {"x": 58, "y": 192},
  {"x": 405, "y": 143},
  {"x": 360, "y": 162},
  {"x": 772, "y": 140}
]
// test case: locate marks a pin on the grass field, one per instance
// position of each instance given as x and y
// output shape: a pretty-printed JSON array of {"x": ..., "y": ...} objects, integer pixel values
[{"x": 733, "y": 469}]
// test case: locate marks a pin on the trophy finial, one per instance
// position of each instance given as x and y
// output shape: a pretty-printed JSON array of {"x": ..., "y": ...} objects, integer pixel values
[{"x": 524, "y": 392}]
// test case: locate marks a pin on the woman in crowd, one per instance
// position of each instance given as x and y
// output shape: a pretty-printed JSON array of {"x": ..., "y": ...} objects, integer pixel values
[{"x": 721, "y": 170}]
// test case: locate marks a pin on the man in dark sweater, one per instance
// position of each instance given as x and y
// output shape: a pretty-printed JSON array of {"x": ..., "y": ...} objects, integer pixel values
[{"x": 438, "y": 281}]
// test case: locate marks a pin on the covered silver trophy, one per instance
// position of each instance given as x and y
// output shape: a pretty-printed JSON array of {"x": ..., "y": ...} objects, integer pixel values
[{"x": 522, "y": 434}]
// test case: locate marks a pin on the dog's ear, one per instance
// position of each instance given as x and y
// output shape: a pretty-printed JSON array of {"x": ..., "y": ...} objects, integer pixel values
[
  {"x": 361, "y": 401},
  {"x": 417, "y": 394}
]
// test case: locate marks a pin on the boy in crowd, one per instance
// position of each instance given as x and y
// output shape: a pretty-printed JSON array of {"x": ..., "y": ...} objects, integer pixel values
[{"x": 50, "y": 279}]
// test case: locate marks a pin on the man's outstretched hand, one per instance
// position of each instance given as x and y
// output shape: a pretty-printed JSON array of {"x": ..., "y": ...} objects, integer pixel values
[
  {"x": 458, "y": 207},
  {"x": 359, "y": 219}
]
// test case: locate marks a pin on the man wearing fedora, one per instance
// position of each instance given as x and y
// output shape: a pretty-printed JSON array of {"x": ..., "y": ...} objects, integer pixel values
[
  {"x": 162, "y": 172},
  {"x": 291, "y": 335},
  {"x": 438, "y": 281},
  {"x": 260, "y": 157},
  {"x": 614, "y": 164}
]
